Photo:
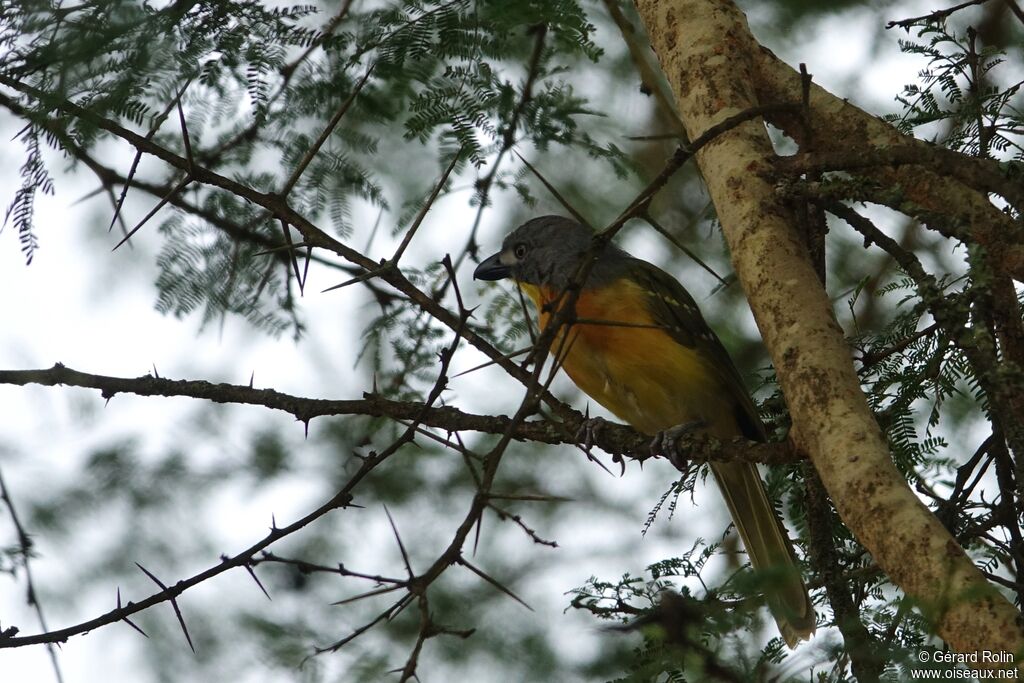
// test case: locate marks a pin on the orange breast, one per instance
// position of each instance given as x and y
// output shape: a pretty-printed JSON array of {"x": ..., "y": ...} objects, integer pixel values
[{"x": 617, "y": 355}]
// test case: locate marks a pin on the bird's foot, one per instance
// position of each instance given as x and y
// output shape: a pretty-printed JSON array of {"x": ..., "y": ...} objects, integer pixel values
[
  {"x": 664, "y": 442},
  {"x": 588, "y": 433}
]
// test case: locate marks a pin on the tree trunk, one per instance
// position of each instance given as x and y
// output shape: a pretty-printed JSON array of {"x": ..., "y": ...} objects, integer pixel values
[{"x": 714, "y": 67}]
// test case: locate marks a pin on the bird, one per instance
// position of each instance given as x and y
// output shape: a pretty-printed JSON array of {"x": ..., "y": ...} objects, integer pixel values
[{"x": 638, "y": 345}]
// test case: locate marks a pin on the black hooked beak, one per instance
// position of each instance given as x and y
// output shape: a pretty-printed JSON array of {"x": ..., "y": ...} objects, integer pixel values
[{"x": 492, "y": 268}]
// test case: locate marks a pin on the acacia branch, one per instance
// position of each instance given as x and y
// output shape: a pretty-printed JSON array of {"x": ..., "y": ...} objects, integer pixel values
[
  {"x": 716, "y": 68},
  {"x": 1000, "y": 380},
  {"x": 245, "y": 558},
  {"x": 934, "y": 188},
  {"x": 937, "y": 15},
  {"x": 314, "y": 237},
  {"x": 32, "y": 597},
  {"x": 242, "y": 559},
  {"x": 615, "y": 439},
  {"x": 983, "y": 175}
]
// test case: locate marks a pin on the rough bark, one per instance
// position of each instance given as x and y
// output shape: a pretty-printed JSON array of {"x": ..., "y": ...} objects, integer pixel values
[
  {"x": 714, "y": 67},
  {"x": 842, "y": 129}
]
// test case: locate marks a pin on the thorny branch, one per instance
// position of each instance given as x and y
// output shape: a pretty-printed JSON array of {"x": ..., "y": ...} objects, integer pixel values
[
  {"x": 422, "y": 417},
  {"x": 616, "y": 439},
  {"x": 242, "y": 559},
  {"x": 313, "y": 236},
  {"x": 32, "y": 597}
]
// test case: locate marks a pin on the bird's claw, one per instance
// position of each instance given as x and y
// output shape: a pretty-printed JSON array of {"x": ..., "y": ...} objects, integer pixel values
[
  {"x": 664, "y": 442},
  {"x": 589, "y": 431},
  {"x": 587, "y": 434}
]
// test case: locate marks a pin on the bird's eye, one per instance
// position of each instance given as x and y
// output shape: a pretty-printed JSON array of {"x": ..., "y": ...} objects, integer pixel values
[{"x": 519, "y": 250}]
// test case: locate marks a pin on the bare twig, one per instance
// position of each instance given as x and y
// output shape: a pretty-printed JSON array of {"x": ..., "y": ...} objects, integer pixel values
[
  {"x": 652, "y": 80},
  {"x": 407, "y": 238},
  {"x": 152, "y": 212},
  {"x": 937, "y": 15},
  {"x": 25, "y": 548},
  {"x": 615, "y": 438},
  {"x": 314, "y": 237},
  {"x": 325, "y": 133},
  {"x": 339, "y": 500},
  {"x": 174, "y": 604}
]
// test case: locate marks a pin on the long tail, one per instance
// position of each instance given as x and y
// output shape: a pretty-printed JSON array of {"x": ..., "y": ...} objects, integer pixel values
[{"x": 768, "y": 547}]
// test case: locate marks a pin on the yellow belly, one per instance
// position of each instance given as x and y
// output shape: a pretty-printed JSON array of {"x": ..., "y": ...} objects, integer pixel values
[{"x": 641, "y": 374}]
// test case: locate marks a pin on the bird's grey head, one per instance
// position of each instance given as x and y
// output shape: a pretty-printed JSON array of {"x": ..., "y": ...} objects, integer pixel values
[{"x": 545, "y": 251}]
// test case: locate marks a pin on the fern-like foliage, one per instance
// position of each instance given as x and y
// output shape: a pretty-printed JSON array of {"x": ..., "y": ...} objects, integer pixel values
[
  {"x": 203, "y": 270},
  {"x": 687, "y": 634},
  {"x": 960, "y": 88},
  {"x": 34, "y": 178},
  {"x": 255, "y": 81}
]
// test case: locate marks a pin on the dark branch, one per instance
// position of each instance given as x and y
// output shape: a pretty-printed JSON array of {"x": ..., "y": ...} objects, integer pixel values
[{"x": 613, "y": 438}]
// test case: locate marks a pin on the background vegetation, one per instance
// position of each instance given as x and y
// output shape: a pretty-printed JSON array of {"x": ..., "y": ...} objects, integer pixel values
[{"x": 242, "y": 159}]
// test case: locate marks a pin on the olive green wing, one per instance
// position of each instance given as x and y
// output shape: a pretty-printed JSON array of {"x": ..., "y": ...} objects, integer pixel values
[
  {"x": 672, "y": 307},
  {"x": 763, "y": 534}
]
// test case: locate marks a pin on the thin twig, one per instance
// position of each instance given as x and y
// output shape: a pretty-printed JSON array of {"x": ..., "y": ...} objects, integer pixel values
[
  {"x": 152, "y": 212},
  {"x": 32, "y": 597},
  {"x": 407, "y": 238},
  {"x": 308, "y": 157},
  {"x": 935, "y": 16},
  {"x": 174, "y": 604}
]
